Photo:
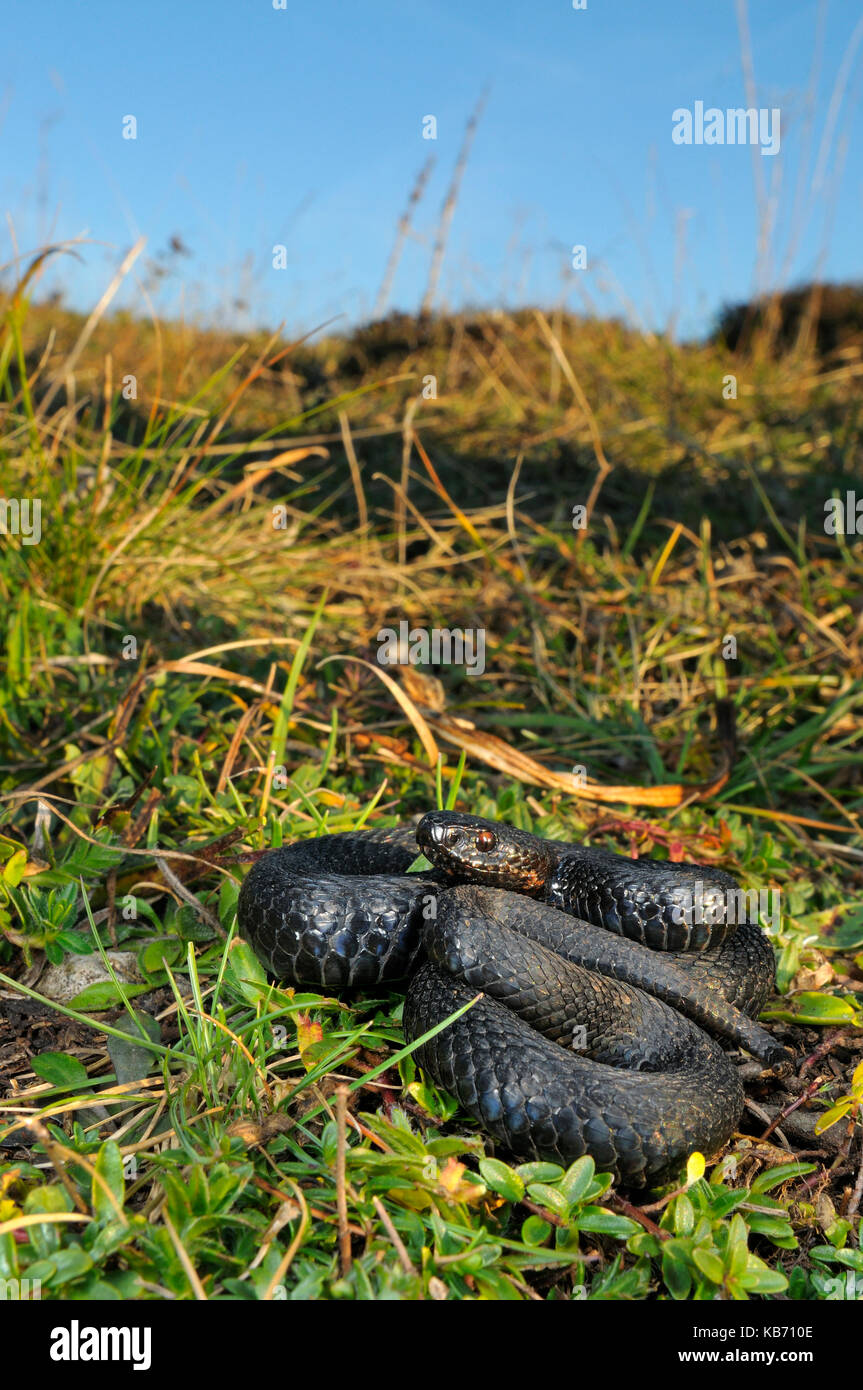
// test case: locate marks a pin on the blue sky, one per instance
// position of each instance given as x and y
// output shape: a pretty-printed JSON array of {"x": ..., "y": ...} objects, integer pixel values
[{"x": 303, "y": 127}]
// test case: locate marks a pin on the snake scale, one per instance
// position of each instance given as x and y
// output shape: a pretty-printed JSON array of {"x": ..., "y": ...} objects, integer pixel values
[{"x": 604, "y": 982}]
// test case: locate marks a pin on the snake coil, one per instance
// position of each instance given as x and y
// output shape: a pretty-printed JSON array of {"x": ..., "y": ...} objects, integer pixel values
[{"x": 604, "y": 982}]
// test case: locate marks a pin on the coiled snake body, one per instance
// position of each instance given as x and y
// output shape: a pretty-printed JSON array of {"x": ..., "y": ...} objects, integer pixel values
[{"x": 601, "y": 979}]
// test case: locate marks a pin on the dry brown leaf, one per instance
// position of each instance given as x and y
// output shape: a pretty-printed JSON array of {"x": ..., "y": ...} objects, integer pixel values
[
  {"x": 501, "y": 756},
  {"x": 424, "y": 690}
]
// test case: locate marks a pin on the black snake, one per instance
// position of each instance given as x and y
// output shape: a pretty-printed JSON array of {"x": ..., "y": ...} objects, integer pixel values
[{"x": 600, "y": 978}]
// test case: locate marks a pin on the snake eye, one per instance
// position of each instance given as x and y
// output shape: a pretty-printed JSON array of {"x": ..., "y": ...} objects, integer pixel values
[{"x": 485, "y": 841}]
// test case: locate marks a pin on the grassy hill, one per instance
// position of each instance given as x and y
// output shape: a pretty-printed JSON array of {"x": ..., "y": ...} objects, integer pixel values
[{"x": 225, "y": 526}]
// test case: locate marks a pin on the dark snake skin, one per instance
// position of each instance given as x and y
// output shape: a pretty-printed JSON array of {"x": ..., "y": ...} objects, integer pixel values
[{"x": 589, "y": 1032}]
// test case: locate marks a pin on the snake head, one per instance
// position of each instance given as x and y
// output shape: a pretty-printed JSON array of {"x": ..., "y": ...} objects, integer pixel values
[{"x": 484, "y": 851}]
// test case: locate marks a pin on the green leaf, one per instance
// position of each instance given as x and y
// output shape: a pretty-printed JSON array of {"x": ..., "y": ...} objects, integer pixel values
[
  {"x": 228, "y": 895},
  {"x": 95, "y": 999},
  {"x": 501, "y": 1179},
  {"x": 70, "y": 1264},
  {"x": 50, "y": 1197},
  {"x": 427, "y": 1097},
  {"x": 108, "y": 1167},
  {"x": 88, "y": 859},
  {"x": 245, "y": 973},
  {"x": 329, "y": 1143},
  {"x": 737, "y": 1250},
  {"x": 154, "y": 955},
  {"x": 548, "y": 1197},
  {"x": 535, "y": 1231},
  {"x": 838, "y": 1231},
  {"x": 602, "y": 1183},
  {"x": 764, "y": 1280},
  {"x": 131, "y": 1062},
  {"x": 13, "y": 869},
  {"x": 849, "y": 933},
  {"x": 190, "y": 926},
  {"x": 479, "y": 1258},
  {"x": 724, "y": 1202},
  {"x": 776, "y": 1227},
  {"x": 539, "y": 1172},
  {"x": 493, "y": 1284},
  {"x": 816, "y": 1009},
  {"x": 710, "y": 1265},
  {"x": 775, "y": 1177},
  {"x": 60, "y": 1070},
  {"x": 75, "y": 942},
  {"x": 643, "y": 1243},
  {"x": 605, "y": 1222},
  {"x": 832, "y": 1116},
  {"x": 684, "y": 1216},
  {"x": 420, "y": 866},
  {"x": 577, "y": 1179},
  {"x": 112, "y": 1235},
  {"x": 8, "y": 1256},
  {"x": 825, "y": 1254},
  {"x": 675, "y": 1273},
  {"x": 187, "y": 789}
]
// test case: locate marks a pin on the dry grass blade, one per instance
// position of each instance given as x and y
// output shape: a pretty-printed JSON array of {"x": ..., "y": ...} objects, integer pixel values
[
  {"x": 183, "y": 1256},
  {"x": 89, "y": 327},
  {"x": 604, "y": 466},
  {"x": 497, "y": 754},
  {"x": 401, "y": 236},
  {"x": 36, "y": 1218},
  {"x": 448, "y": 209},
  {"x": 256, "y": 472}
]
